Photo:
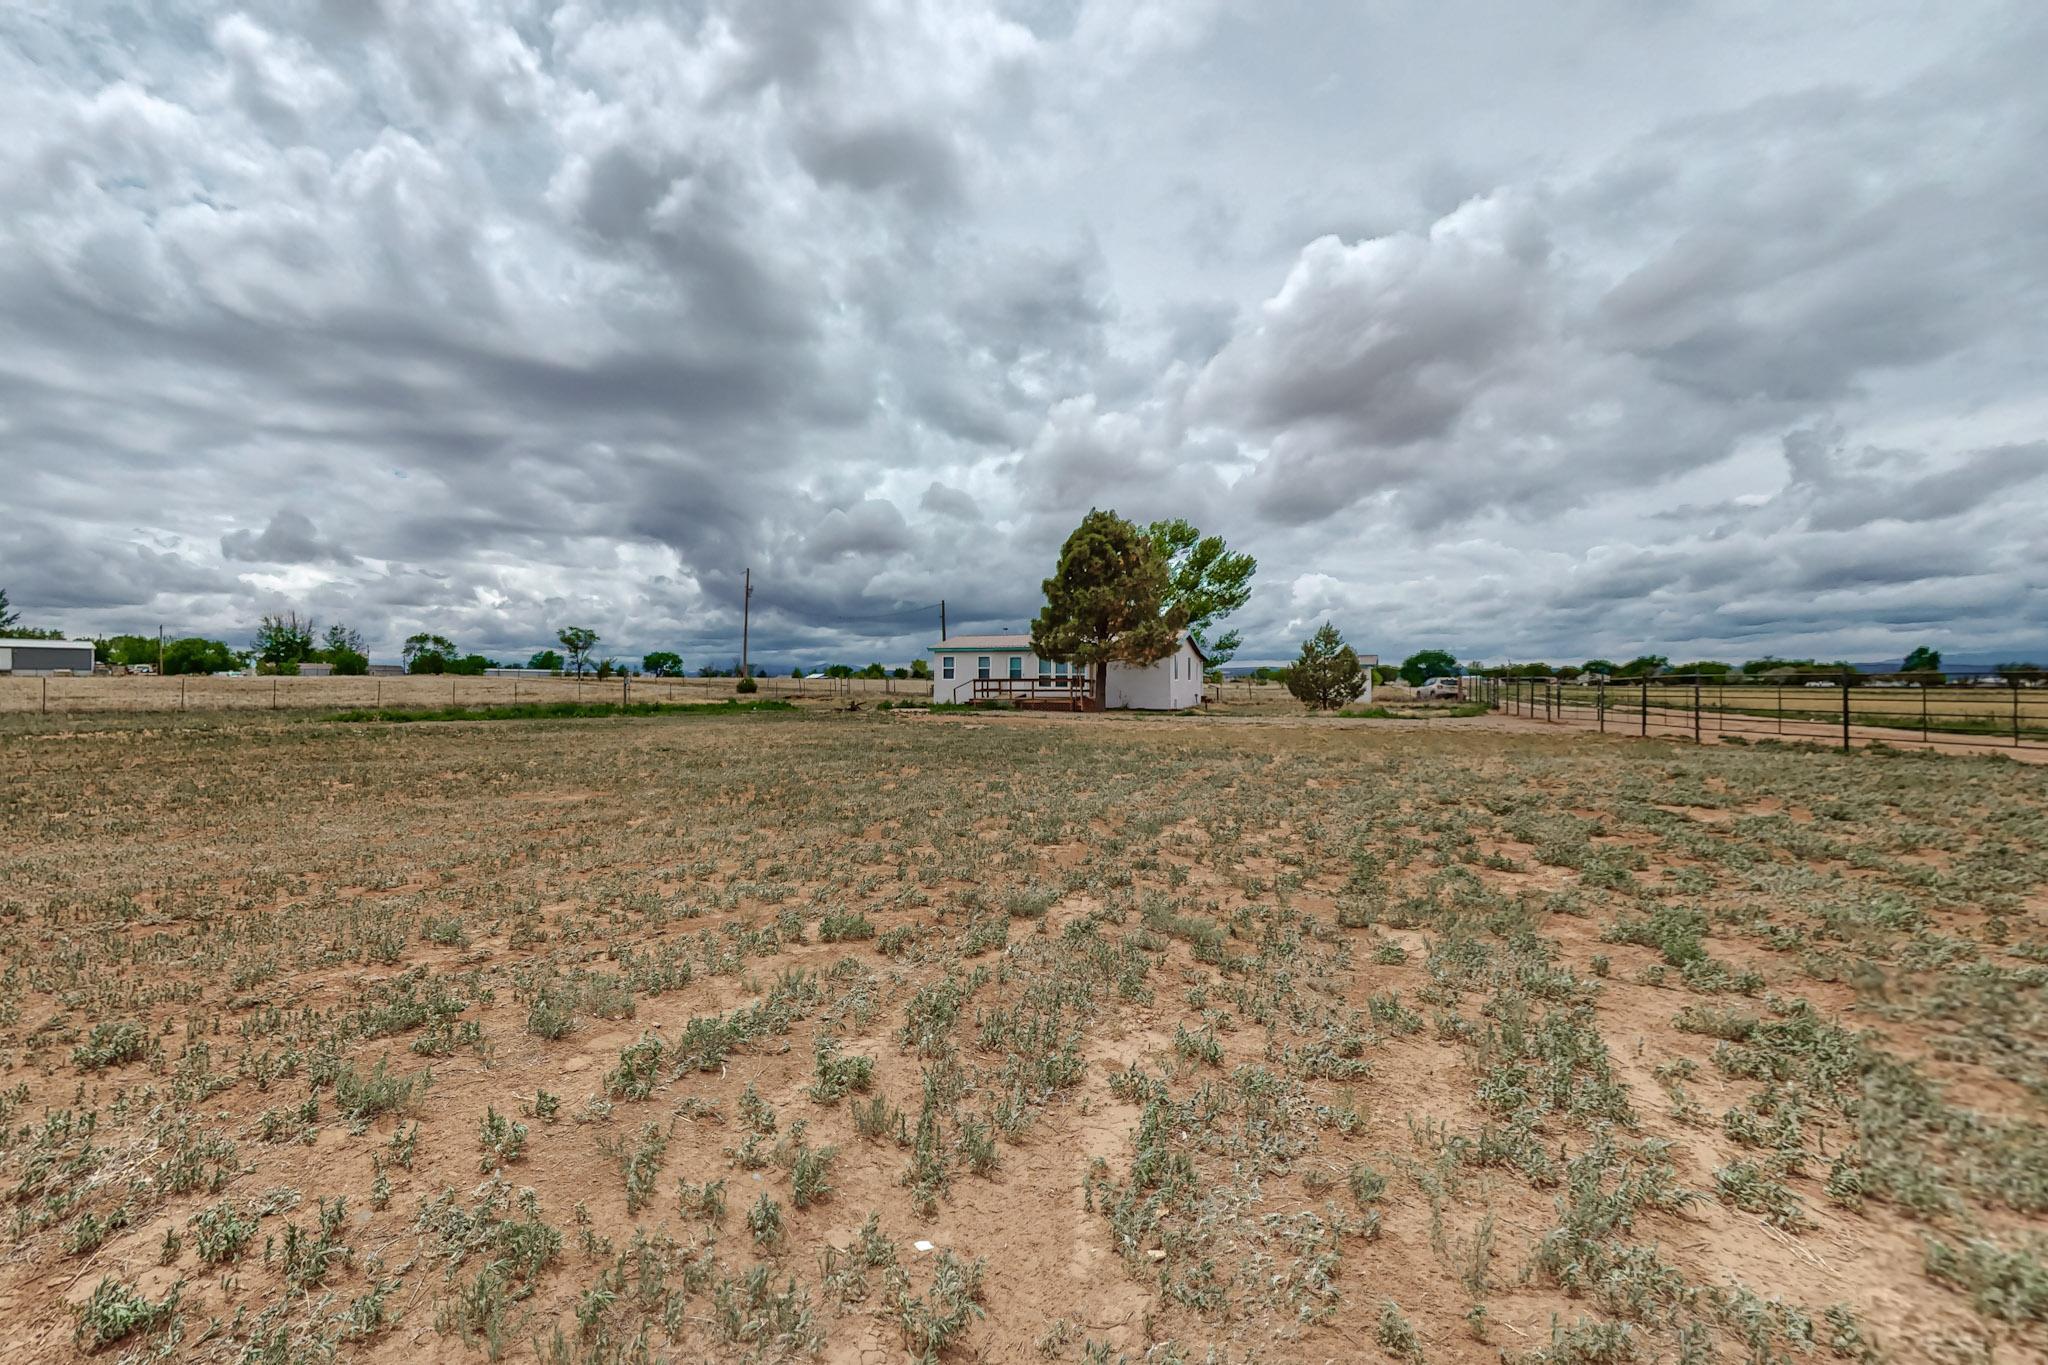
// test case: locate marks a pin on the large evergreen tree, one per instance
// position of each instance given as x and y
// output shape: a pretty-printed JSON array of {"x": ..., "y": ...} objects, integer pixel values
[
  {"x": 1327, "y": 673},
  {"x": 1205, "y": 582},
  {"x": 1107, "y": 601}
]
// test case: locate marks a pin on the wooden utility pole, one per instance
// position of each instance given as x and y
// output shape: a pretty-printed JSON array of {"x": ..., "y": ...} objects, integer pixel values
[
  {"x": 942, "y": 620},
  {"x": 746, "y": 614},
  {"x": 159, "y": 651}
]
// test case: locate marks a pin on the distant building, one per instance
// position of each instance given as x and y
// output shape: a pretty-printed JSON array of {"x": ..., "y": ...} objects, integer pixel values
[
  {"x": 387, "y": 670},
  {"x": 969, "y": 668},
  {"x": 311, "y": 670},
  {"x": 32, "y": 658}
]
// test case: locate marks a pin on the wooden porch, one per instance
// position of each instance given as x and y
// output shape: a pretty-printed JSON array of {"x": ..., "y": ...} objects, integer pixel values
[{"x": 1071, "y": 693}]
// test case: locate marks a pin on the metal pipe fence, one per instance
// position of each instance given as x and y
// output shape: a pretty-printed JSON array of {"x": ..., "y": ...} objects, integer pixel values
[{"x": 1974, "y": 707}]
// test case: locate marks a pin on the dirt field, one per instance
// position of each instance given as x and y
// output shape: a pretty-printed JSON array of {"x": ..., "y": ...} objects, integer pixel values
[{"x": 866, "y": 1037}]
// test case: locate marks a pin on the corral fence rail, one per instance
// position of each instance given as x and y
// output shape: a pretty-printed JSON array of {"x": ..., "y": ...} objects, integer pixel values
[
  {"x": 1975, "y": 707},
  {"x": 138, "y": 693}
]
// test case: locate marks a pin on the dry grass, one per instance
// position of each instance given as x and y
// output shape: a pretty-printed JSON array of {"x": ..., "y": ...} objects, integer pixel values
[
  {"x": 136, "y": 694},
  {"x": 623, "y": 1039}
]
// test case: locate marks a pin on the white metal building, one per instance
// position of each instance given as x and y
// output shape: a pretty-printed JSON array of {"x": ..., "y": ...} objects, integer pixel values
[
  {"x": 32, "y": 657},
  {"x": 1009, "y": 671}
]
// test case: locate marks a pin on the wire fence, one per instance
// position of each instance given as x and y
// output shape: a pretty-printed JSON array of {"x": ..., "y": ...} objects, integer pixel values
[
  {"x": 1975, "y": 708},
  {"x": 58, "y": 695}
]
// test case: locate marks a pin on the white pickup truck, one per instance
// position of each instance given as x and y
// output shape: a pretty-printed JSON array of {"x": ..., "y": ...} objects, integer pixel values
[{"x": 1438, "y": 689}]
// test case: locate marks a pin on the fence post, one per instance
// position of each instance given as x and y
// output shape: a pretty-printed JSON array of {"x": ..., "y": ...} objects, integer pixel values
[
  {"x": 2015, "y": 683},
  {"x": 46, "y": 696},
  {"x": 1644, "y": 727},
  {"x": 625, "y": 688},
  {"x": 1695, "y": 710},
  {"x": 273, "y": 691},
  {"x": 1845, "y": 710},
  {"x": 181, "y": 692},
  {"x": 1600, "y": 706},
  {"x": 1923, "y": 711}
]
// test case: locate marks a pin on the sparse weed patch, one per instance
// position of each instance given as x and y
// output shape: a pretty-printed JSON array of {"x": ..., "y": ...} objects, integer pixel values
[{"x": 1218, "y": 1006}]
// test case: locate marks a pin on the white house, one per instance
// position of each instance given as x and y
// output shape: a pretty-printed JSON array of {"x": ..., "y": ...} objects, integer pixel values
[{"x": 1006, "y": 670}]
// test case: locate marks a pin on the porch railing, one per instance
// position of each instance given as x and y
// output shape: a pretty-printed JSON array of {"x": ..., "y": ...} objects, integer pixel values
[{"x": 1071, "y": 693}]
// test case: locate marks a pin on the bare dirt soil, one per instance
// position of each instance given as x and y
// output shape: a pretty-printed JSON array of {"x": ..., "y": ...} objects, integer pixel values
[{"x": 874, "y": 1037}]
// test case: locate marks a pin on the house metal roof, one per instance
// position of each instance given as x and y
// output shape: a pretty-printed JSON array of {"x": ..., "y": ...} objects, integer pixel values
[
  {"x": 26, "y": 642},
  {"x": 964, "y": 642}
]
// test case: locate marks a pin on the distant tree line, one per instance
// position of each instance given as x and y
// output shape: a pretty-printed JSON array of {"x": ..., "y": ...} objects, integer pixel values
[
  {"x": 1120, "y": 593},
  {"x": 286, "y": 642},
  {"x": 1922, "y": 667}
]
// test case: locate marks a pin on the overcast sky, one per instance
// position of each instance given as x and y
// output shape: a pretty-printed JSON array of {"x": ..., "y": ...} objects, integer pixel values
[{"x": 1527, "y": 330}]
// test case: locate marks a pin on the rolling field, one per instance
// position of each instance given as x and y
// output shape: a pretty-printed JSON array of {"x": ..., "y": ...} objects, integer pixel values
[{"x": 868, "y": 1038}]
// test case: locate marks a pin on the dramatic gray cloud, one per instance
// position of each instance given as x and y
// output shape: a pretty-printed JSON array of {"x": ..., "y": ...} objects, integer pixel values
[
  {"x": 290, "y": 538},
  {"x": 1533, "y": 331}
]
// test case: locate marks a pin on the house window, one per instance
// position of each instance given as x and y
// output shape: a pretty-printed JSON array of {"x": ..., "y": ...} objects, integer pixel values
[
  {"x": 981, "y": 667},
  {"x": 1045, "y": 668},
  {"x": 946, "y": 666},
  {"x": 1063, "y": 670},
  {"x": 1016, "y": 665}
]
